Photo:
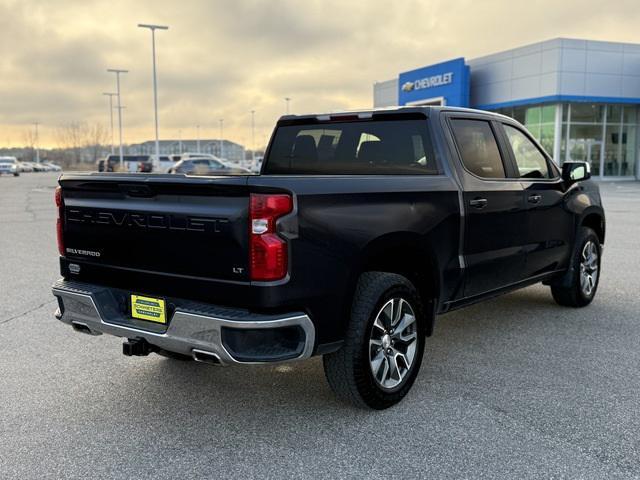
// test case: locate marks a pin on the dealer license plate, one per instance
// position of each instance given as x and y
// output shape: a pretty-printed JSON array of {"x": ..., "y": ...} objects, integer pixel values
[{"x": 148, "y": 308}]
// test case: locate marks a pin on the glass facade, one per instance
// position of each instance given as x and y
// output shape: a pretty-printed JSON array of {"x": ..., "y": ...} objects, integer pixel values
[{"x": 606, "y": 135}]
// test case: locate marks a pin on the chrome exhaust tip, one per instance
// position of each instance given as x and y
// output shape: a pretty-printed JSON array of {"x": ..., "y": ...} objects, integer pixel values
[
  {"x": 84, "y": 328},
  {"x": 205, "y": 357}
]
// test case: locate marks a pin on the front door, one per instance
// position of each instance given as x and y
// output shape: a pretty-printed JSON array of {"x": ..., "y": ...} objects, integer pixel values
[{"x": 550, "y": 227}]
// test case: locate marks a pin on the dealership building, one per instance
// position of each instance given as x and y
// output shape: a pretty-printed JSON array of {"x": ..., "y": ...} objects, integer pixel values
[{"x": 579, "y": 98}]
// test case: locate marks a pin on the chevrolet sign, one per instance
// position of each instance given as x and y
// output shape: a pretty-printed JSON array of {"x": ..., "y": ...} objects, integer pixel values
[
  {"x": 448, "y": 81},
  {"x": 428, "y": 82}
]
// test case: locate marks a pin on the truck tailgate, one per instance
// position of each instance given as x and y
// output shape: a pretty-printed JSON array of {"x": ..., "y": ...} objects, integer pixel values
[{"x": 164, "y": 224}]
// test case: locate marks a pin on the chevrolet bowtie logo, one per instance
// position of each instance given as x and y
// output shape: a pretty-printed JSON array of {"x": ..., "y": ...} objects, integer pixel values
[{"x": 408, "y": 86}]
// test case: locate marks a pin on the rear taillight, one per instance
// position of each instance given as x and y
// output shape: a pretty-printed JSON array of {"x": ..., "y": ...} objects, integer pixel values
[
  {"x": 59, "y": 221},
  {"x": 269, "y": 256}
]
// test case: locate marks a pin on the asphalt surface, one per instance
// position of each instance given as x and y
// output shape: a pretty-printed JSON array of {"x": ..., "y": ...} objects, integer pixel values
[{"x": 516, "y": 387}]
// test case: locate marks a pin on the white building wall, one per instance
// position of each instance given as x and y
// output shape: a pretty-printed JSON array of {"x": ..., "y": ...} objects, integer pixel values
[
  {"x": 385, "y": 94},
  {"x": 556, "y": 67},
  {"x": 599, "y": 69},
  {"x": 517, "y": 74},
  {"x": 561, "y": 66}
]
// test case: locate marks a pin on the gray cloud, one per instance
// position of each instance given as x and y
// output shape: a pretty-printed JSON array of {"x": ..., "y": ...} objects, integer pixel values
[{"x": 222, "y": 58}]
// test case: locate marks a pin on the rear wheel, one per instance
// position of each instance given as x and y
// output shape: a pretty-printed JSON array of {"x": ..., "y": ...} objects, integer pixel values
[
  {"x": 586, "y": 274},
  {"x": 382, "y": 352}
]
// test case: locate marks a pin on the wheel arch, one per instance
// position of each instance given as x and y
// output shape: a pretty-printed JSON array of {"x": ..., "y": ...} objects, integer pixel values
[
  {"x": 594, "y": 219},
  {"x": 410, "y": 255}
]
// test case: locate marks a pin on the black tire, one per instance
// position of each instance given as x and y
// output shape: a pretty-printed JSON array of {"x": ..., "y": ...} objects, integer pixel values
[
  {"x": 348, "y": 370},
  {"x": 16, "y": 174},
  {"x": 174, "y": 356},
  {"x": 573, "y": 294}
]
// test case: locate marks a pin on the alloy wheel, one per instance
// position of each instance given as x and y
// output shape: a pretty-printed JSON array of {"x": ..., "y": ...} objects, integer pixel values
[
  {"x": 393, "y": 343},
  {"x": 589, "y": 268}
]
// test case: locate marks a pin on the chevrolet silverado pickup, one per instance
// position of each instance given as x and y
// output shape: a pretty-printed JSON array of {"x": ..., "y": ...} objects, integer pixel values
[{"x": 358, "y": 231}]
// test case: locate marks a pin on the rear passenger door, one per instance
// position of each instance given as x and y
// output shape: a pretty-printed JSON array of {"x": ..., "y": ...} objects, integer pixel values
[
  {"x": 550, "y": 226},
  {"x": 493, "y": 206}
]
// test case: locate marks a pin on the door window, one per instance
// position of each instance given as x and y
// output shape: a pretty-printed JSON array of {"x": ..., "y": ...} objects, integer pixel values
[
  {"x": 478, "y": 148},
  {"x": 530, "y": 161}
]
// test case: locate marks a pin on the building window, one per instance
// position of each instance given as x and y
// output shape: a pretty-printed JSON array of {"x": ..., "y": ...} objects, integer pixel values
[
  {"x": 604, "y": 135},
  {"x": 539, "y": 120}
]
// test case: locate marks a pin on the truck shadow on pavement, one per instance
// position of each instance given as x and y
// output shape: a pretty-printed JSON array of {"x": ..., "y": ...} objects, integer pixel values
[{"x": 484, "y": 347}]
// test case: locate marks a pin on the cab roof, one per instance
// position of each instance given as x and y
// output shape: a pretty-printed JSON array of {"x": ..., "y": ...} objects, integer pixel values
[{"x": 363, "y": 114}]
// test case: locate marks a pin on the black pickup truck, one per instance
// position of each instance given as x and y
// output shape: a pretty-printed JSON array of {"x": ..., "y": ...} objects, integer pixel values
[{"x": 359, "y": 230}]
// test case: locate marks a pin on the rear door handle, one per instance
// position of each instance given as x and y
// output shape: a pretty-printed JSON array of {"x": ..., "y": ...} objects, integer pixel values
[
  {"x": 478, "y": 202},
  {"x": 535, "y": 198}
]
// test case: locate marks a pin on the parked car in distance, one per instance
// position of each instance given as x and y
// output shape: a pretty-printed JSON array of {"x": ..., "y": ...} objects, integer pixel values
[
  {"x": 206, "y": 166},
  {"x": 52, "y": 167},
  {"x": 133, "y": 163},
  {"x": 29, "y": 166},
  {"x": 25, "y": 167},
  {"x": 359, "y": 230},
  {"x": 145, "y": 167},
  {"x": 187, "y": 155},
  {"x": 165, "y": 163},
  {"x": 111, "y": 163},
  {"x": 38, "y": 167},
  {"x": 9, "y": 166}
]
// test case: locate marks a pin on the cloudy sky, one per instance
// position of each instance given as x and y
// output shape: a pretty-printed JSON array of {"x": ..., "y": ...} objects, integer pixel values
[{"x": 223, "y": 58}]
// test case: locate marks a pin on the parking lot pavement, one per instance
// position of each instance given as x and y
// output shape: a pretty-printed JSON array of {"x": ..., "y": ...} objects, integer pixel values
[{"x": 516, "y": 387}]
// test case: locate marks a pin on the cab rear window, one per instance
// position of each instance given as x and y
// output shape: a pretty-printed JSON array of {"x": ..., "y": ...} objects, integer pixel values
[{"x": 370, "y": 147}]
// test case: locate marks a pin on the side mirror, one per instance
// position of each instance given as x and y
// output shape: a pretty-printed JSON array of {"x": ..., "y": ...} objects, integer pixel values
[{"x": 575, "y": 171}]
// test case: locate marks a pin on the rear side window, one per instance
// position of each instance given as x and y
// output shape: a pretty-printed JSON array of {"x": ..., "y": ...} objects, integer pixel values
[
  {"x": 530, "y": 161},
  {"x": 400, "y": 147},
  {"x": 478, "y": 148}
]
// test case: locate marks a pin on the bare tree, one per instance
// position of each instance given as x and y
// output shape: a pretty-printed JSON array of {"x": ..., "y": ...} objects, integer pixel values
[
  {"x": 97, "y": 137},
  {"x": 29, "y": 140},
  {"x": 82, "y": 140},
  {"x": 69, "y": 137}
]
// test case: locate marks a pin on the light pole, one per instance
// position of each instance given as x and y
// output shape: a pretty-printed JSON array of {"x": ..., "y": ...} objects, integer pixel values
[
  {"x": 221, "y": 141},
  {"x": 153, "y": 29},
  {"x": 253, "y": 138},
  {"x": 198, "y": 139},
  {"x": 119, "y": 107},
  {"x": 36, "y": 142},
  {"x": 287, "y": 100},
  {"x": 111, "y": 95}
]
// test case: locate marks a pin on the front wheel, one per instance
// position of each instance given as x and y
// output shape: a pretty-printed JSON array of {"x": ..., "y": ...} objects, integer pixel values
[
  {"x": 384, "y": 343},
  {"x": 586, "y": 272}
]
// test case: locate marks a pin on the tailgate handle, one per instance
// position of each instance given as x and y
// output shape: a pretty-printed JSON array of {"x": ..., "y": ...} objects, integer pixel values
[{"x": 137, "y": 190}]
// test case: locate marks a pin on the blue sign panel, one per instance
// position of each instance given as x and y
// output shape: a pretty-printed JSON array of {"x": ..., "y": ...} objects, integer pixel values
[{"x": 448, "y": 81}]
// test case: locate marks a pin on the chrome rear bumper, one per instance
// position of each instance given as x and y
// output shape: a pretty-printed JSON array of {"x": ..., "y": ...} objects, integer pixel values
[{"x": 193, "y": 329}]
